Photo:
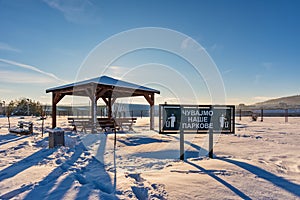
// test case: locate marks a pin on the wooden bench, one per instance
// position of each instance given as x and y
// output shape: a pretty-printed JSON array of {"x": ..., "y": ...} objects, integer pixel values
[
  {"x": 24, "y": 128},
  {"x": 83, "y": 123},
  {"x": 126, "y": 122},
  {"x": 105, "y": 124}
]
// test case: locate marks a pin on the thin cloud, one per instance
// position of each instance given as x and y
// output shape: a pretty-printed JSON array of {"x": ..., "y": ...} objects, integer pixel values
[
  {"x": 227, "y": 71},
  {"x": 116, "y": 71},
  {"x": 189, "y": 43},
  {"x": 75, "y": 11},
  {"x": 267, "y": 65},
  {"x": 7, "y": 47},
  {"x": 23, "y": 77},
  {"x": 32, "y": 68},
  {"x": 186, "y": 43},
  {"x": 216, "y": 47}
]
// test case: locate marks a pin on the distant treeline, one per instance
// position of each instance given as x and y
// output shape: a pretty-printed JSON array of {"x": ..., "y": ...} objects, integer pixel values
[{"x": 21, "y": 107}]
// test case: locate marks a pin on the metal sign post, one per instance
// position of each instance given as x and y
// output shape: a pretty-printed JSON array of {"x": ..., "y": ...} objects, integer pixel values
[
  {"x": 211, "y": 143},
  {"x": 181, "y": 145}
]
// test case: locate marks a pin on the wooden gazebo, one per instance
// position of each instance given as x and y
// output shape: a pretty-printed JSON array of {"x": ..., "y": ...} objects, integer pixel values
[{"x": 106, "y": 88}]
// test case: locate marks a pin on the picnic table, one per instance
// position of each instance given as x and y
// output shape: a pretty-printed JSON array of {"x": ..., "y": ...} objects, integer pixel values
[
  {"x": 76, "y": 122},
  {"x": 126, "y": 122},
  {"x": 23, "y": 128}
]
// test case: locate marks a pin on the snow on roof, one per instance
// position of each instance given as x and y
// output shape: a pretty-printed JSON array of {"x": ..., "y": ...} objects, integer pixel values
[{"x": 105, "y": 80}]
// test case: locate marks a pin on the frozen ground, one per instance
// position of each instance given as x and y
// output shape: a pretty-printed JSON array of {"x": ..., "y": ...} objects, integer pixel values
[{"x": 260, "y": 161}]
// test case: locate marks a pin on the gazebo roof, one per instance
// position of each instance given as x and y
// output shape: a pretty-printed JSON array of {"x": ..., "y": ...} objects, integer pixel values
[{"x": 119, "y": 87}]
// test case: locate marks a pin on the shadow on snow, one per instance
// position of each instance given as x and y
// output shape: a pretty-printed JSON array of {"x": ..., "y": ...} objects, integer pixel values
[
  {"x": 229, "y": 186},
  {"x": 4, "y": 139},
  {"x": 22, "y": 165},
  {"x": 82, "y": 172},
  {"x": 136, "y": 141},
  {"x": 166, "y": 154},
  {"x": 272, "y": 178},
  {"x": 85, "y": 175}
]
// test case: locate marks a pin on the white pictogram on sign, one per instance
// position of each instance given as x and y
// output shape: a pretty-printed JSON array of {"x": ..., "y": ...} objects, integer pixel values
[
  {"x": 171, "y": 121},
  {"x": 223, "y": 122}
]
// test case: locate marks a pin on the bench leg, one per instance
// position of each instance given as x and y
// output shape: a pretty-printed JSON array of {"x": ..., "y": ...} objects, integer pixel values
[{"x": 74, "y": 128}]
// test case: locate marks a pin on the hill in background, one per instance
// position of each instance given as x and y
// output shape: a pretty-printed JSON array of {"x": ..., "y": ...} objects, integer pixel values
[{"x": 282, "y": 102}]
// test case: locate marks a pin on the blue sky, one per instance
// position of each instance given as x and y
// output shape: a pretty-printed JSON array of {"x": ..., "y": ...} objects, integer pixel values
[{"x": 255, "y": 44}]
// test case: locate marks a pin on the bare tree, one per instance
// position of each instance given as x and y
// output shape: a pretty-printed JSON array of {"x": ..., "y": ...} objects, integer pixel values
[
  {"x": 43, "y": 110},
  {"x": 9, "y": 110}
]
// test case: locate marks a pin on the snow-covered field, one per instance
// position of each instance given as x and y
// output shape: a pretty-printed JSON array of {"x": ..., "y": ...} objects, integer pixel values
[{"x": 260, "y": 161}]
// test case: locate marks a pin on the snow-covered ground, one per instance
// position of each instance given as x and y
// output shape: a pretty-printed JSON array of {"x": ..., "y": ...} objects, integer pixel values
[{"x": 260, "y": 161}]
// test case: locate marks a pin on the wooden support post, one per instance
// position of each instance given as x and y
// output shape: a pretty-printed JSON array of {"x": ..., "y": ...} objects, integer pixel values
[
  {"x": 109, "y": 108},
  {"x": 152, "y": 113},
  {"x": 109, "y": 101},
  {"x": 92, "y": 94},
  {"x": 53, "y": 111},
  {"x": 152, "y": 117},
  {"x": 286, "y": 115},
  {"x": 262, "y": 115},
  {"x": 160, "y": 118},
  {"x": 94, "y": 112},
  {"x": 150, "y": 99},
  {"x": 56, "y": 97}
]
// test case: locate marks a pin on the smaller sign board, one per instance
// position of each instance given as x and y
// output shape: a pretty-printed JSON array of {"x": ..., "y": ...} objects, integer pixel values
[
  {"x": 171, "y": 118},
  {"x": 196, "y": 118}
]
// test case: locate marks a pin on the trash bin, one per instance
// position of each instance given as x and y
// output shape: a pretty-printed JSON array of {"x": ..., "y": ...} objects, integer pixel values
[{"x": 56, "y": 137}]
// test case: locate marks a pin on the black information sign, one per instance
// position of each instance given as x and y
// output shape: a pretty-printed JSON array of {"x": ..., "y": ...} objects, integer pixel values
[{"x": 195, "y": 118}]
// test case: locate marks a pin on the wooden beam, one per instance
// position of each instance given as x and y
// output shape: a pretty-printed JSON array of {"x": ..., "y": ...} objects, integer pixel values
[
  {"x": 105, "y": 101},
  {"x": 150, "y": 98},
  {"x": 90, "y": 92},
  {"x": 57, "y": 97},
  {"x": 71, "y": 90},
  {"x": 100, "y": 92}
]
